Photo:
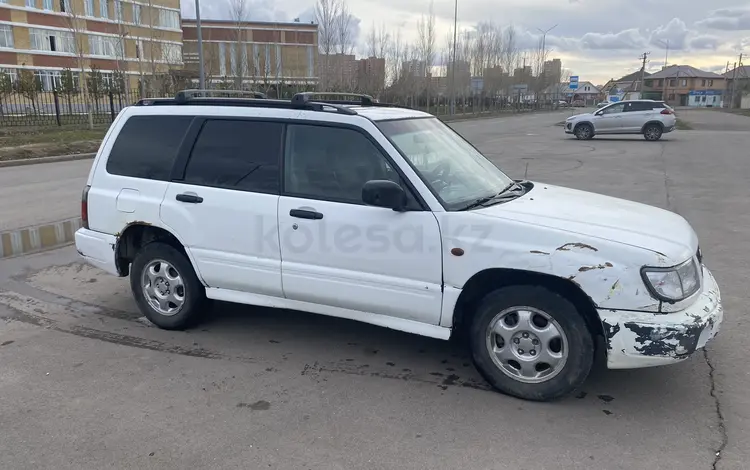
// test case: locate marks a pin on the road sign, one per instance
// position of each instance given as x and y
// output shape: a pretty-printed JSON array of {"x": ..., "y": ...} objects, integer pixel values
[{"x": 573, "y": 82}]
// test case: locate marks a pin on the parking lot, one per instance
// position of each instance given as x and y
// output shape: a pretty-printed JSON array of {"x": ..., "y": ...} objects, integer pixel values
[{"x": 86, "y": 383}]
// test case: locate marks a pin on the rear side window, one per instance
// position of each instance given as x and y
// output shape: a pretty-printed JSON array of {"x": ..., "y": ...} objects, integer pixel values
[
  {"x": 147, "y": 146},
  {"x": 237, "y": 154},
  {"x": 640, "y": 106}
]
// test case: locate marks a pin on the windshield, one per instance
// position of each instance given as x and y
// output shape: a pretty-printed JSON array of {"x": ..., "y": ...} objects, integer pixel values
[{"x": 454, "y": 170}]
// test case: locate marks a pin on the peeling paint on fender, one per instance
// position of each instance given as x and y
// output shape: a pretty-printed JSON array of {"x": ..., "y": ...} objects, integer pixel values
[{"x": 569, "y": 246}]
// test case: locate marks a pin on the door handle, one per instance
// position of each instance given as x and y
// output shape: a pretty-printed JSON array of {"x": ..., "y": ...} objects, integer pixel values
[
  {"x": 189, "y": 198},
  {"x": 305, "y": 214}
]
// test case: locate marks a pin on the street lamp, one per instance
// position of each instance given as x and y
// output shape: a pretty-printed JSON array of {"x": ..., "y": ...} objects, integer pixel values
[
  {"x": 544, "y": 42},
  {"x": 201, "y": 73}
]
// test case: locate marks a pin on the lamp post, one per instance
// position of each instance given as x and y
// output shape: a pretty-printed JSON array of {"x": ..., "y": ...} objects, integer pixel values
[
  {"x": 544, "y": 46},
  {"x": 201, "y": 73}
]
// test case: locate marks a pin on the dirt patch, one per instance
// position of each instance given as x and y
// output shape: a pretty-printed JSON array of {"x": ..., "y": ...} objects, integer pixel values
[{"x": 35, "y": 142}]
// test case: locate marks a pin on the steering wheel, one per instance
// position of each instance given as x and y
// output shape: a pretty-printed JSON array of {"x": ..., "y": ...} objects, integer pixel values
[{"x": 438, "y": 174}]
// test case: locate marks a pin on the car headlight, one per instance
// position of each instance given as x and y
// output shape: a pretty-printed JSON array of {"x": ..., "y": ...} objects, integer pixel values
[{"x": 672, "y": 284}]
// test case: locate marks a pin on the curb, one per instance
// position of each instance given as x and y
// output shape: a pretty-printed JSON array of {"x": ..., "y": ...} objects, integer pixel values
[
  {"x": 28, "y": 240},
  {"x": 34, "y": 161}
]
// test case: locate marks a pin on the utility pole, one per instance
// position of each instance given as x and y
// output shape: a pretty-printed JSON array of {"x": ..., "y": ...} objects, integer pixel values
[
  {"x": 453, "y": 70},
  {"x": 644, "y": 58},
  {"x": 201, "y": 72},
  {"x": 737, "y": 65}
]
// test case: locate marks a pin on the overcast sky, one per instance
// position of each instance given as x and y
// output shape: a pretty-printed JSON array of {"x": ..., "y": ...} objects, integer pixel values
[{"x": 596, "y": 39}]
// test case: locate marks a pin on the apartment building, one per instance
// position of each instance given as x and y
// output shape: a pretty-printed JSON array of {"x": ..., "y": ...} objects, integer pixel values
[
  {"x": 252, "y": 53},
  {"x": 138, "y": 38},
  {"x": 338, "y": 72},
  {"x": 683, "y": 85},
  {"x": 371, "y": 74}
]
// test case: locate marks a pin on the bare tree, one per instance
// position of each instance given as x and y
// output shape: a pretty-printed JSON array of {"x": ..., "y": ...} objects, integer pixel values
[
  {"x": 77, "y": 39},
  {"x": 326, "y": 15},
  {"x": 238, "y": 49},
  {"x": 426, "y": 45},
  {"x": 377, "y": 41},
  {"x": 394, "y": 59}
]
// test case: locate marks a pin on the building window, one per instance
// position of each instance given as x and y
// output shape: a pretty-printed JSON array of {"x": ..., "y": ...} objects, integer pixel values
[
  {"x": 279, "y": 64},
  {"x": 683, "y": 82},
  {"x": 53, "y": 41},
  {"x": 136, "y": 14},
  {"x": 88, "y": 7},
  {"x": 10, "y": 73},
  {"x": 233, "y": 59},
  {"x": 6, "y": 35},
  {"x": 105, "y": 46},
  {"x": 169, "y": 19},
  {"x": 104, "y": 8},
  {"x": 50, "y": 80},
  {"x": 31, "y": 3},
  {"x": 256, "y": 60},
  {"x": 311, "y": 61},
  {"x": 222, "y": 59},
  {"x": 172, "y": 53},
  {"x": 710, "y": 83},
  {"x": 648, "y": 83},
  {"x": 65, "y": 6},
  {"x": 48, "y": 5},
  {"x": 118, "y": 10},
  {"x": 673, "y": 83}
]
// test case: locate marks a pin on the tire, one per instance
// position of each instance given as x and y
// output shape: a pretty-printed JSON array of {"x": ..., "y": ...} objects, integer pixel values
[
  {"x": 564, "y": 341},
  {"x": 174, "y": 282},
  {"x": 584, "y": 132},
  {"x": 652, "y": 132}
]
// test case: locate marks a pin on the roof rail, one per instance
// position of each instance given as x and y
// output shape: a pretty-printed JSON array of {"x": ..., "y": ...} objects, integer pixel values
[
  {"x": 305, "y": 97},
  {"x": 185, "y": 95}
]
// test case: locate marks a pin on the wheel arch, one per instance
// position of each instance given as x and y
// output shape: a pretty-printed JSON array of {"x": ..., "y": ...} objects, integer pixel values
[
  {"x": 584, "y": 123},
  {"x": 484, "y": 282},
  {"x": 658, "y": 123},
  {"x": 135, "y": 236}
]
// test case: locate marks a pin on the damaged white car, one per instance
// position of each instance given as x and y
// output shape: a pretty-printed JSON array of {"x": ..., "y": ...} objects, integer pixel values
[{"x": 385, "y": 215}]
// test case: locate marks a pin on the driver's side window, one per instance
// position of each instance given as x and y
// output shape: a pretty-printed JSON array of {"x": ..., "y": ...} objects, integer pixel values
[
  {"x": 333, "y": 164},
  {"x": 615, "y": 108}
]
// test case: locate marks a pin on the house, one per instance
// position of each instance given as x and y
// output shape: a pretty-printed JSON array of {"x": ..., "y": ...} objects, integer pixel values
[
  {"x": 684, "y": 85},
  {"x": 586, "y": 92},
  {"x": 623, "y": 87},
  {"x": 738, "y": 86}
]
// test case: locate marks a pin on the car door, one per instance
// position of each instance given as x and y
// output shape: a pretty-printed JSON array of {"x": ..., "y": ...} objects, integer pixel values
[
  {"x": 609, "y": 119},
  {"x": 223, "y": 203},
  {"x": 338, "y": 252},
  {"x": 635, "y": 115}
]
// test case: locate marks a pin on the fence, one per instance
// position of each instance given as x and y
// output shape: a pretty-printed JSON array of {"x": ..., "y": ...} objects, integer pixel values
[{"x": 53, "y": 108}]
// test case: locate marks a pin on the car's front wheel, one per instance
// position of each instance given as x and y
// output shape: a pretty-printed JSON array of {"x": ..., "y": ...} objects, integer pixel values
[
  {"x": 584, "y": 132},
  {"x": 652, "y": 132},
  {"x": 531, "y": 343},
  {"x": 166, "y": 288}
]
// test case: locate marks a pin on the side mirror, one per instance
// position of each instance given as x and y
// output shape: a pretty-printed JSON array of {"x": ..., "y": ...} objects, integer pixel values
[{"x": 384, "y": 193}]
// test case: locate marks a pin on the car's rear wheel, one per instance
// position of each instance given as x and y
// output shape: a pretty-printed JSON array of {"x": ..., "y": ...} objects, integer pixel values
[
  {"x": 166, "y": 288},
  {"x": 531, "y": 343},
  {"x": 652, "y": 132},
  {"x": 584, "y": 132}
]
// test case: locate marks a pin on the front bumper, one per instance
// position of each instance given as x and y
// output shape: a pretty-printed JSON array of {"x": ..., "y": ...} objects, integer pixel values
[
  {"x": 568, "y": 127},
  {"x": 641, "y": 339}
]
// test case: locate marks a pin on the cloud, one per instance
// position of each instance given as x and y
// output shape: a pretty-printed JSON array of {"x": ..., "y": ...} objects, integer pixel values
[
  {"x": 627, "y": 39},
  {"x": 257, "y": 10},
  {"x": 704, "y": 41},
  {"x": 675, "y": 32},
  {"x": 727, "y": 19}
]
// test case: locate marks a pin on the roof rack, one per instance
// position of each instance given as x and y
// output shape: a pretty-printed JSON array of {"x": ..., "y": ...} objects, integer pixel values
[
  {"x": 363, "y": 100},
  {"x": 185, "y": 95}
]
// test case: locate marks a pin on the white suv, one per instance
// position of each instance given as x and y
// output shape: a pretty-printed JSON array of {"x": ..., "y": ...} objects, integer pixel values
[
  {"x": 385, "y": 215},
  {"x": 650, "y": 118}
]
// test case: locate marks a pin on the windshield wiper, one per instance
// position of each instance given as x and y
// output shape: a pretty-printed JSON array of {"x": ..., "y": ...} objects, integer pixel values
[{"x": 512, "y": 191}]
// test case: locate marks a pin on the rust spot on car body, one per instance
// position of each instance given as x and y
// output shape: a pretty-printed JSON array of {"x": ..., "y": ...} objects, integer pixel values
[
  {"x": 569, "y": 246},
  {"x": 583, "y": 269}
]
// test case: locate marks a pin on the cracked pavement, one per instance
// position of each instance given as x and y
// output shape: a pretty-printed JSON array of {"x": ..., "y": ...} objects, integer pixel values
[{"x": 86, "y": 384}]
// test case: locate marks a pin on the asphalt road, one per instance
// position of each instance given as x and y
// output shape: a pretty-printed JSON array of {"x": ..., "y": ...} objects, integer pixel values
[{"x": 85, "y": 383}]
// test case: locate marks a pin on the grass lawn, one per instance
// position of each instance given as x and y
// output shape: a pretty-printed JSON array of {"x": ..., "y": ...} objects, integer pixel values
[{"x": 35, "y": 142}]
